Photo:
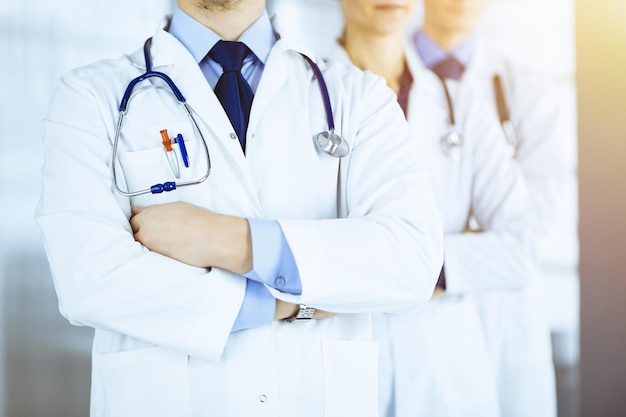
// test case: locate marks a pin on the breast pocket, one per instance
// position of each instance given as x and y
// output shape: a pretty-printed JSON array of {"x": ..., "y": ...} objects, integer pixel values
[
  {"x": 145, "y": 382},
  {"x": 350, "y": 378},
  {"x": 146, "y": 168}
]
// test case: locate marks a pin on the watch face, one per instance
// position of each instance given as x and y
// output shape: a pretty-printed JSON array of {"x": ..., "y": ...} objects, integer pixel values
[{"x": 304, "y": 313}]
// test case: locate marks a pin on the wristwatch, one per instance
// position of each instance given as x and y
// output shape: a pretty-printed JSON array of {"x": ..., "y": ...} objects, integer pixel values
[{"x": 304, "y": 313}]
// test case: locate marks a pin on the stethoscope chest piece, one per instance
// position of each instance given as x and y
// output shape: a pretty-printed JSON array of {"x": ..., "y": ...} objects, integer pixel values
[
  {"x": 332, "y": 144},
  {"x": 452, "y": 144}
]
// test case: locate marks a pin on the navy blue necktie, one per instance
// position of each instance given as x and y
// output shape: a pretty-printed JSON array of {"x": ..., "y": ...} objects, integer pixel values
[
  {"x": 232, "y": 90},
  {"x": 448, "y": 68}
]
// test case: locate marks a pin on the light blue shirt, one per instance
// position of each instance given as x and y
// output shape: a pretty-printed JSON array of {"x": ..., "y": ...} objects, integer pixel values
[
  {"x": 273, "y": 261},
  {"x": 431, "y": 53}
]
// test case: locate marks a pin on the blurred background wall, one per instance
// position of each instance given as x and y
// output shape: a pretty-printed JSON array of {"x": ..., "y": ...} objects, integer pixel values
[
  {"x": 601, "y": 80},
  {"x": 44, "y": 362}
]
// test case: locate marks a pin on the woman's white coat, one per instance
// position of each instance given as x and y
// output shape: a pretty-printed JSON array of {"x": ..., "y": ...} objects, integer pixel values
[{"x": 435, "y": 358}]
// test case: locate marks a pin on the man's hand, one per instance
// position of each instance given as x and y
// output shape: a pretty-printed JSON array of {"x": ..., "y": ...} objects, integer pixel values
[
  {"x": 194, "y": 235},
  {"x": 284, "y": 310},
  {"x": 202, "y": 238}
]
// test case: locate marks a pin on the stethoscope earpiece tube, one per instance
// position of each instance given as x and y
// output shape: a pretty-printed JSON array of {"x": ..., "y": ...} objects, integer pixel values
[
  {"x": 452, "y": 142},
  {"x": 498, "y": 90},
  {"x": 451, "y": 119},
  {"x": 324, "y": 91},
  {"x": 329, "y": 142},
  {"x": 168, "y": 185},
  {"x": 504, "y": 114},
  {"x": 148, "y": 74}
]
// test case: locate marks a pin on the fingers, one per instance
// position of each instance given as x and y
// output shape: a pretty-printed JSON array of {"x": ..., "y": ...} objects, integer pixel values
[{"x": 134, "y": 223}]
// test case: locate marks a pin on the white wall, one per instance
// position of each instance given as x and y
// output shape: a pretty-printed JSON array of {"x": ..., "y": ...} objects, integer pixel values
[
  {"x": 39, "y": 41},
  {"x": 42, "y": 41}
]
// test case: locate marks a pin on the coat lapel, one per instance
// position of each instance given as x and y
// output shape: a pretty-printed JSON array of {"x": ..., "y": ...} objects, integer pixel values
[
  {"x": 171, "y": 57},
  {"x": 275, "y": 76}
]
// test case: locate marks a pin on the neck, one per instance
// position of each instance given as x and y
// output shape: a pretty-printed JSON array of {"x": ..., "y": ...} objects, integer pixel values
[
  {"x": 381, "y": 54},
  {"x": 228, "y": 18},
  {"x": 447, "y": 39}
]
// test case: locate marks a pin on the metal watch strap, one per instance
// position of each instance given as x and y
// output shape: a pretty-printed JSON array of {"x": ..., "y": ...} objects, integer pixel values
[{"x": 304, "y": 313}]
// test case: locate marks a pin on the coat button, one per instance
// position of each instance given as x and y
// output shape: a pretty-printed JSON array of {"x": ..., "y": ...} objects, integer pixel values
[
  {"x": 233, "y": 136},
  {"x": 280, "y": 281},
  {"x": 262, "y": 398}
]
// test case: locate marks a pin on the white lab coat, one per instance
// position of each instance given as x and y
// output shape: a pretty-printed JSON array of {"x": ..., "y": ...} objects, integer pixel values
[
  {"x": 436, "y": 355},
  {"x": 484, "y": 184},
  {"x": 441, "y": 363},
  {"x": 162, "y": 342},
  {"x": 515, "y": 323}
]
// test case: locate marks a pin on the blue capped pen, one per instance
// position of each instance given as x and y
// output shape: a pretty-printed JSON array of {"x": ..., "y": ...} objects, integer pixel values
[{"x": 183, "y": 149}]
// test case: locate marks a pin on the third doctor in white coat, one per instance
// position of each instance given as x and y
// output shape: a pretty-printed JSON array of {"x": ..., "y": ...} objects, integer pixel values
[{"x": 515, "y": 323}]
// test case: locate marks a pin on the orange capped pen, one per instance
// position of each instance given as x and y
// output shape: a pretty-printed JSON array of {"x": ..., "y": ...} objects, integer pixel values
[
  {"x": 167, "y": 142},
  {"x": 169, "y": 152}
]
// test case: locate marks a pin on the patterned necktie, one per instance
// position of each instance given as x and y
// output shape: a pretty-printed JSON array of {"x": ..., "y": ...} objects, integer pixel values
[
  {"x": 448, "y": 68},
  {"x": 232, "y": 90}
]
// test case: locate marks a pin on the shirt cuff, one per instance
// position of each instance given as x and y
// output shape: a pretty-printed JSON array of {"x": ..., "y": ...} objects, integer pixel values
[
  {"x": 257, "y": 309},
  {"x": 273, "y": 263}
]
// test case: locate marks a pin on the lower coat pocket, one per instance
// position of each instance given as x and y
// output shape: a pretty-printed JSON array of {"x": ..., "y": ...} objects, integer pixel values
[
  {"x": 351, "y": 378},
  {"x": 145, "y": 382}
]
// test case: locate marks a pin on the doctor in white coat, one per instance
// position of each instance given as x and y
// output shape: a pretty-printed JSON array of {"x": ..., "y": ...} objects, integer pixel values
[
  {"x": 186, "y": 289},
  {"x": 515, "y": 323},
  {"x": 435, "y": 355}
]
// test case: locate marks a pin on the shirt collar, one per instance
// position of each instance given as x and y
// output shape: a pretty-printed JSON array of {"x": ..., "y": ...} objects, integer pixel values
[
  {"x": 199, "y": 39},
  {"x": 431, "y": 53}
]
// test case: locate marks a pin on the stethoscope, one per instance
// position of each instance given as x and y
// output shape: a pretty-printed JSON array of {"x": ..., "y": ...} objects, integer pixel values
[
  {"x": 328, "y": 141},
  {"x": 503, "y": 113},
  {"x": 452, "y": 142}
]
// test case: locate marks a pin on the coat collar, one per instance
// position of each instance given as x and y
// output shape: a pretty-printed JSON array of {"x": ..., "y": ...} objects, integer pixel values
[{"x": 171, "y": 57}]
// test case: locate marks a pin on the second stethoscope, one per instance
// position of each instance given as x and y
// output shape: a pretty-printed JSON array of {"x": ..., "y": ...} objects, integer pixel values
[
  {"x": 452, "y": 142},
  {"x": 503, "y": 113},
  {"x": 328, "y": 141}
]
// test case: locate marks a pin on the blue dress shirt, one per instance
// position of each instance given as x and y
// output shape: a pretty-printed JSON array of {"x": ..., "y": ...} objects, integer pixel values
[
  {"x": 431, "y": 53},
  {"x": 273, "y": 261}
]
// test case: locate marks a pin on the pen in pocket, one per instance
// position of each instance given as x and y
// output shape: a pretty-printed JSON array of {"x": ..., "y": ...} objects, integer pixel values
[
  {"x": 183, "y": 149},
  {"x": 169, "y": 152}
]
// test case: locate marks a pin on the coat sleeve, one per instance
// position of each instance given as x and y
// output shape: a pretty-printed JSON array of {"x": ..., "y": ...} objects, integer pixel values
[
  {"x": 384, "y": 252},
  {"x": 103, "y": 277},
  {"x": 501, "y": 254},
  {"x": 536, "y": 115}
]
